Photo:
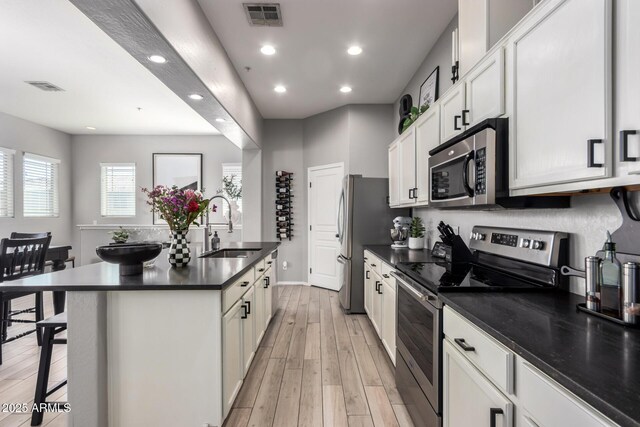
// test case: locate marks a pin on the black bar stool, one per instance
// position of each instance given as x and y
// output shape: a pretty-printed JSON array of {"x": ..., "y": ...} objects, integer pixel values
[{"x": 50, "y": 327}]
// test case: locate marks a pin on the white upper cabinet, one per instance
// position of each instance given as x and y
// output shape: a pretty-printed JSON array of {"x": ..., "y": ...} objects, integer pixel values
[
  {"x": 560, "y": 86},
  {"x": 627, "y": 87},
  {"x": 407, "y": 151},
  {"x": 485, "y": 90},
  {"x": 451, "y": 106},
  {"x": 427, "y": 138},
  {"x": 394, "y": 174},
  {"x": 481, "y": 23}
]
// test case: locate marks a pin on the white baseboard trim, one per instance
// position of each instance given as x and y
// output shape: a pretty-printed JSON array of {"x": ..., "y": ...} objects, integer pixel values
[{"x": 294, "y": 283}]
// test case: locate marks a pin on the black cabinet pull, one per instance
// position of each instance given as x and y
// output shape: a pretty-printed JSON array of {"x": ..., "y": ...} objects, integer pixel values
[
  {"x": 380, "y": 288},
  {"x": 367, "y": 274},
  {"x": 415, "y": 192},
  {"x": 411, "y": 193},
  {"x": 269, "y": 262},
  {"x": 248, "y": 303},
  {"x": 591, "y": 163},
  {"x": 266, "y": 282},
  {"x": 386, "y": 276},
  {"x": 463, "y": 344},
  {"x": 377, "y": 286},
  {"x": 493, "y": 412},
  {"x": 465, "y": 114},
  {"x": 456, "y": 126},
  {"x": 244, "y": 312},
  {"x": 624, "y": 140},
  {"x": 373, "y": 265},
  {"x": 244, "y": 284},
  {"x": 260, "y": 270}
]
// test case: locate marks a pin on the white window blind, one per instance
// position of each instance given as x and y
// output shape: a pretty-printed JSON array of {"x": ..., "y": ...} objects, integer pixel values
[
  {"x": 40, "y": 181},
  {"x": 234, "y": 169},
  {"x": 6, "y": 182},
  {"x": 118, "y": 190}
]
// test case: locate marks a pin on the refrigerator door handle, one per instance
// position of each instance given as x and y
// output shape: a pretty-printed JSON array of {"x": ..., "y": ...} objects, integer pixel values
[
  {"x": 341, "y": 259},
  {"x": 340, "y": 216}
]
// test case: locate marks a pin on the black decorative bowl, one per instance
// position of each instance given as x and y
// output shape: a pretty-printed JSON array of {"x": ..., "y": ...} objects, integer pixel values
[{"x": 130, "y": 256}]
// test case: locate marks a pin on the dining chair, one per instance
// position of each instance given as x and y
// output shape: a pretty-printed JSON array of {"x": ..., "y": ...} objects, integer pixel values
[{"x": 19, "y": 258}]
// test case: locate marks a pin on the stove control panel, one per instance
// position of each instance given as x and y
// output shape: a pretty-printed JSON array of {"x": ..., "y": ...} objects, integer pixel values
[{"x": 536, "y": 246}]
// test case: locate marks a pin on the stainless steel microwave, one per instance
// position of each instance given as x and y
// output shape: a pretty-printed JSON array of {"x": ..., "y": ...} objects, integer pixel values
[{"x": 471, "y": 170}]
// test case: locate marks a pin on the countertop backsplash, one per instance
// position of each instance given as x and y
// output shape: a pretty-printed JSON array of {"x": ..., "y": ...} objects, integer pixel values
[{"x": 588, "y": 220}]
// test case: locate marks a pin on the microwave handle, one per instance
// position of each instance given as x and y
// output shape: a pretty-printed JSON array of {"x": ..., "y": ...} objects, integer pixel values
[{"x": 465, "y": 174}]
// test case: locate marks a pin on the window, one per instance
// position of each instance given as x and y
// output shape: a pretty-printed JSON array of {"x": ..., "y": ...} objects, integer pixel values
[
  {"x": 6, "y": 183},
  {"x": 118, "y": 190},
  {"x": 229, "y": 170},
  {"x": 40, "y": 176}
]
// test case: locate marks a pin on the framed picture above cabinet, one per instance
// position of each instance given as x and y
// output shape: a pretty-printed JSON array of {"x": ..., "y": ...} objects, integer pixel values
[{"x": 429, "y": 88}]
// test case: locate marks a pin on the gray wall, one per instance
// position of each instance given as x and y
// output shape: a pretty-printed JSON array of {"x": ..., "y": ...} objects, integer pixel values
[
  {"x": 251, "y": 195},
  {"x": 370, "y": 133},
  {"x": 283, "y": 150},
  {"x": 91, "y": 150},
  {"x": 22, "y": 136},
  {"x": 439, "y": 55},
  {"x": 356, "y": 135}
]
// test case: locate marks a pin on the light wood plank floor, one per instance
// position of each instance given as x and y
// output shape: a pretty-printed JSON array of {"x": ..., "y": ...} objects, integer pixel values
[
  {"x": 317, "y": 366},
  {"x": 19, "y": 369}
]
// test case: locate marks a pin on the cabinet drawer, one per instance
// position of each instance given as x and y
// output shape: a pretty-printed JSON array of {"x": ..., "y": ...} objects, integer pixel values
[
  {"x": 375, "y": 264},
  {"x": 385, "y": 270},
  {"x": 261, "y": 267},
  {"x": 551, "y": 405},
  {"x": 489, "y": 356},
  {"x": 234, "y": 292}
]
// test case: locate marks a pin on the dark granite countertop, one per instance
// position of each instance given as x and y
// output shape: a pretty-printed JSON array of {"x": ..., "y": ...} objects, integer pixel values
[
  {"x": 597, "y": 360},
  {"x": 199, "y": 274},
  {"x": 393, "y": 256}
]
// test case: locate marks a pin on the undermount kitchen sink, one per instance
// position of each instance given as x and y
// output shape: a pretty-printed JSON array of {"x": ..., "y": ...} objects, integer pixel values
[{"x": 231, "y": 253}]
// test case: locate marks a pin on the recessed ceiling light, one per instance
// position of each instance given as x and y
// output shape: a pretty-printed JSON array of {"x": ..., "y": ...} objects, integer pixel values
[
  {"x": 345, "y": 89},
  {"x": 157, "y": 59},
  {"x": 196, "y": 96},
  {"x": 220, "y": 120},
  {"x": 268, "y": 50},
  {"x": 280, "y": 89},
  {"x": 91, "y": 128},
  {"x": 354, "y": 50}
]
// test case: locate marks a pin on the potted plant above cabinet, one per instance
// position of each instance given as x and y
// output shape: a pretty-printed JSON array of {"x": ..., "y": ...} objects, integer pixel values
[{"x": 416, "y": 233}]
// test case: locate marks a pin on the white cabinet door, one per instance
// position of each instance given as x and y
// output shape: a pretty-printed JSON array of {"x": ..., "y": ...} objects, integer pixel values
[
  {"x": 627, "y": 87},
  {"x": 259, "y": 297},
  {"x": 268, "y": 295},
  {"x": 248, "y": 329},
  {"x": 232, "y": 369},
  {"x": 368, "y": 289},
  {"x": 473, "y": 23},
  {"x": 407, "y": 152},
  {"x": 427, "y": 138},
  {"x": 451, "y": 106},
  {"x": 389, "y": 320},
  {"x": 561, "y": 94},
  {"x": 485, "y": 90},
  {"x": 376, "y": 303},
  {"x": 469, "y": 399},
  {"x": 394, "y": 174}
]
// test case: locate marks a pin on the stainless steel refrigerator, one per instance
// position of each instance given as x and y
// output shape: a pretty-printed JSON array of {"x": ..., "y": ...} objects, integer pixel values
[{"x": 364, "y": 218}]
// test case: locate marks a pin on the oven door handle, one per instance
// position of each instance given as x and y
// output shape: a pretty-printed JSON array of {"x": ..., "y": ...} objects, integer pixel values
[
  {"x": 419, "y": 295},
  {"x": 465, "y": 174}
]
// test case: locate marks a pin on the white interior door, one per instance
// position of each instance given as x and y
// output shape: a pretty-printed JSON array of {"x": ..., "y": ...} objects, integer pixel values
[{"x": 325, "y": 186}]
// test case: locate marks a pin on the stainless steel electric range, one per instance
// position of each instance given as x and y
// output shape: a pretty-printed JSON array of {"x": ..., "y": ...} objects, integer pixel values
[{"x": 503, "y": 259}]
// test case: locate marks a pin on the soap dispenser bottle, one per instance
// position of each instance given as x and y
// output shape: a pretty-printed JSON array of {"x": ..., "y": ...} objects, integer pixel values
[
  {"x": 611, "y": 278},
  {"x": 215, "y": 241}
]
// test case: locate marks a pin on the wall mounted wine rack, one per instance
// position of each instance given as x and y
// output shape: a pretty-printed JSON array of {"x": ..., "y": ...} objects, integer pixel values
[{"x": 284, "y": 205}]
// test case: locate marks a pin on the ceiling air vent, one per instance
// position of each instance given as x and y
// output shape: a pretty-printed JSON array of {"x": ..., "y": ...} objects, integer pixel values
[
  {"x": 46, "y": 86},
  {"x": 264, "y": 14}
]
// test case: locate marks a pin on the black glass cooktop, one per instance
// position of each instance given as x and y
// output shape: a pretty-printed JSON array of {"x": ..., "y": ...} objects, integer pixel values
[{"x": 464, "y": 276}]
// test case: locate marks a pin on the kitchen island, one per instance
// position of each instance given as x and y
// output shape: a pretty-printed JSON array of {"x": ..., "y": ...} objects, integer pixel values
[{"x": 169, "y": 347}]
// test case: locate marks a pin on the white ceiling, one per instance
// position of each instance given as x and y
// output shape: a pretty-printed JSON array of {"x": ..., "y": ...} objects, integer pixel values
[
  {"x": 104, "y": 85},
  {"x": 311, "y": 59}
]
